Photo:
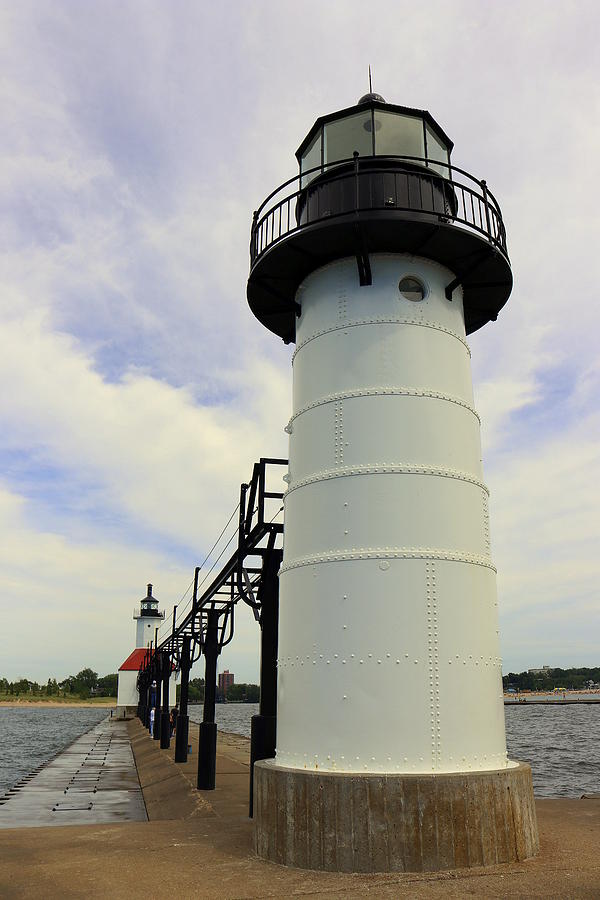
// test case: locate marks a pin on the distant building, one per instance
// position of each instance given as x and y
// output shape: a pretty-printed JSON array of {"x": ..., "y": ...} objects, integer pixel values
[
  {"x": 545, "y": 670},
  {"x": 226, "y": 679}
]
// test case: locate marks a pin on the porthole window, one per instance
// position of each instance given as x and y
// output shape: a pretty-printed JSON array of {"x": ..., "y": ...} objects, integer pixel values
[{"x": 412, "y": 289}]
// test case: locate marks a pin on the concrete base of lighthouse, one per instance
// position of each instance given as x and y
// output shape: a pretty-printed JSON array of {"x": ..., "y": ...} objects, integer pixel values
[{"x": 341, "y": 822}]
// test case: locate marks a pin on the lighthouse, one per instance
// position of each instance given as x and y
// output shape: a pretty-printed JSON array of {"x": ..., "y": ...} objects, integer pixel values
[
  {"x": 147, "y": 618},
  {"x": 377, "y": 261}
]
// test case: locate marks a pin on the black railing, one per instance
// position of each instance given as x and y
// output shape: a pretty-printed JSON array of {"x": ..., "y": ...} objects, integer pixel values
[
  {"x": 140, "y": 613},
  {"x": 249, "y": 575},
  {"x": 398, "y": 184}
]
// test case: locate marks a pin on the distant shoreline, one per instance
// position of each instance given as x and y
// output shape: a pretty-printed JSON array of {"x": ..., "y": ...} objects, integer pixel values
[
  {"x": 59, "y": 704},
  {"x": 579, "y": 691}
]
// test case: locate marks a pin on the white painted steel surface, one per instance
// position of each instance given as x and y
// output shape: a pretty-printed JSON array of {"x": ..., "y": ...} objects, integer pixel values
[
  {"x": 388, "y": 642},
  {"x": 127, "y": 692},
  {"x": 145, "y": 627}
]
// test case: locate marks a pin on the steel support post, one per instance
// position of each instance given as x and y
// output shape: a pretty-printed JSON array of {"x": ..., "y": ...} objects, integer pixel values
[
  {"x": 264, "y": 725},
  {"x": 207, "y": 747},
  {"x": 165, "y": 724},
  {"x": 181, "y": 734},
  {"x": 157, "y": 709}
]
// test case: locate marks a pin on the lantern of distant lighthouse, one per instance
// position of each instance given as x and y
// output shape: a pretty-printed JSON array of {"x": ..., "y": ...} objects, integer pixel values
[
  {"x": 391, "y": 754},
  {"x": 147, "y": 618}
]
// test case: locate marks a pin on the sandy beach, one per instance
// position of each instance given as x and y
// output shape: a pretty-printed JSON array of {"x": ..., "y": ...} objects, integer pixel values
[{"x": 580, "y": 692}]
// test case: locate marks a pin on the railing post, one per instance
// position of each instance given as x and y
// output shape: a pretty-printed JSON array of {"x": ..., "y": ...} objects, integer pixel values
[
  {"x": 487, "y": 210},
  {"x": 183, "y": 721},
  {"x": 165, "y": 724},
  {"x": 207, "y": 747},
  {"x": 254, "y": 238},
  {"x": 264, "y": 725}
]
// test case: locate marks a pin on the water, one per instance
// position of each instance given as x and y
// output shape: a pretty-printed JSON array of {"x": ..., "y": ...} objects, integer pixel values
[
  {"x": 229, "y": 716},
  {"x": 562, "y": 744},
  {"x": 30, "y": 737}
]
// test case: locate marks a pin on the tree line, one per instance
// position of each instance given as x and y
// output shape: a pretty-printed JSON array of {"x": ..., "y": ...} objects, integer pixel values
[
  {"x": 572, "y": 679},
  {"x": 236, "y": 693},
  {"x": 84, "y": 685}
]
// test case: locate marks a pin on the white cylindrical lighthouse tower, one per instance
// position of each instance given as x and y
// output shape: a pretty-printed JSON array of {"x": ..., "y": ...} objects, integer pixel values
[
  {"x": 388, "y": 602},
  {"x": 147, "y": 618},
  {"x": 378, "y": 263}
]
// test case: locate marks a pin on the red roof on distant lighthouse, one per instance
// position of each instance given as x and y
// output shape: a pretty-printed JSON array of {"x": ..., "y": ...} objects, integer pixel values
[{"x": 135, "y": 660}]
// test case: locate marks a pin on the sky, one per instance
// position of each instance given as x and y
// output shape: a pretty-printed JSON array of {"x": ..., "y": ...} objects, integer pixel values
[{"x": 137, "y": 389}]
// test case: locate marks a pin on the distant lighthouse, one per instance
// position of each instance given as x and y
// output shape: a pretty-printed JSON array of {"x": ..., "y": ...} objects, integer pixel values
[
  {"x": 377, "y": 261},
  {"x": 147, "y": 618}
]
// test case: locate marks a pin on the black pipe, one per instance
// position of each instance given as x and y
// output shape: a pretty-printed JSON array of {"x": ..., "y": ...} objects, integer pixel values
[
  {"x": 207, "y": 746},
  {"x": 183, "y": 720},
  {"x": 165, "y": 723},
  {"x": 264, "y": 725}
]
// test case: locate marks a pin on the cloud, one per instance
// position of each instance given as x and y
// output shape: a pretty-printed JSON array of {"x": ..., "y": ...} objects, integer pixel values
[
  {"x": 66, "y": 595},
  {"x": 144, "y": 442},
  {"x": 136, "y": 388}
]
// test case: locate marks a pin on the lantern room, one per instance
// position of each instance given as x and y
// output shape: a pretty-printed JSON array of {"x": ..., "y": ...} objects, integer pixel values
[
  {"x": 377, "y": 178},
  {"x": 374, "y": 128}
]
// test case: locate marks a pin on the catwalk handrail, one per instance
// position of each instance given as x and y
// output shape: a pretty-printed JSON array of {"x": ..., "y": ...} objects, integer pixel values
[
  {"x": 252, "y": 530},
  {"x": 472, "y": 204}
]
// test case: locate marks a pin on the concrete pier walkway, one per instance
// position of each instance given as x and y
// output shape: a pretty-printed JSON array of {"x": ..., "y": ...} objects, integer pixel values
[
  {"x": 93, "y": 781},
  {"x": 199, "y": 844}
]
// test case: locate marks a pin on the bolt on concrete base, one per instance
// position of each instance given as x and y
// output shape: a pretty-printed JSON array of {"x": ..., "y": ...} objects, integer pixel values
[{"x": 393, "y": 823}]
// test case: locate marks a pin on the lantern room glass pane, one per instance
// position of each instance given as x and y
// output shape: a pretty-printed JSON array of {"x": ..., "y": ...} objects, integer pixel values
[
  {"x": 311, "y": 158},
  {"x": 344, "y": 136},
  {"x": 437, "y": 151},
  {"x": 398, "y": 135}
]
